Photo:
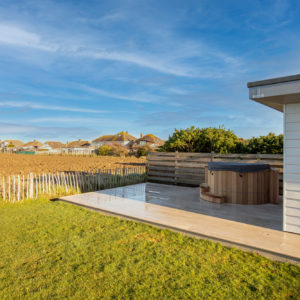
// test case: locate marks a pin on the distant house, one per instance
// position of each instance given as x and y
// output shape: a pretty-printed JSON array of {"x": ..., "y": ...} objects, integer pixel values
[
  {"x": 11, "y": 144},
  {"x": 149, "y": 140},
  {"x": 33, "y": 145},
  {"x": 52, "y": 147},
  {"x": 80, "y": 146},
  {"x": 122, "y": 138}
]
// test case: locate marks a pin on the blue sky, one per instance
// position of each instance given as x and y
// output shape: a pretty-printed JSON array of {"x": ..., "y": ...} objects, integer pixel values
[{"x": 81, "y": 69}]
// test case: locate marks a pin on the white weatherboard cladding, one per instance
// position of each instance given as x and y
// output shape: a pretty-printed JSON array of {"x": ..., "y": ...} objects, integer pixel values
[{"x": 292, "y": 167}]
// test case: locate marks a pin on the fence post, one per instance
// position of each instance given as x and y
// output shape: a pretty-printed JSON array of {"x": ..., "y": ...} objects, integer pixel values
[
  {"x": 147, "y": 166},
  {"x": 76, "y": 178},
  {"x": 49, "y": 184},
  {"x": 14, "y": 189},
  {"x": 43, "y": 183},
  {"x": 9, "y": 189},
  {"x": 53, "y": 183},
  {"x": 27, "y": 187},
  {"x": 39, "y": 183},
  {"x": 123, "y": 176},
  {"x": 36, "y": 185},
  {"x": 176, "y": 168},
  {"x": 19, "y": 188},
  {"x": 31, "y": 185},
  {"x": 58, "y": 183},
  {"x": 23, "y": 188},
  {"x": 98, "y": 180},
  {"x": 4, "y": 188},
  {"x": 258, "y": 156}
]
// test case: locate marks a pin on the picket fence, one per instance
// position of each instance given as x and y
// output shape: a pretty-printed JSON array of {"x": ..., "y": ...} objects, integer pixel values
[{"x": 16, "y": 188}]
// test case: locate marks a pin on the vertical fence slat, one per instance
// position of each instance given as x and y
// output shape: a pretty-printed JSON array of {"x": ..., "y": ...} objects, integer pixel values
[
  {"x": 19, "y": 187},
  {"x": 23, "y": 188},
  {"x": 3, "y": 189},
  {"x": 49, "y": 183},
  {"x": 14, "y": 188},
  {"x": 9, "y": 196}
]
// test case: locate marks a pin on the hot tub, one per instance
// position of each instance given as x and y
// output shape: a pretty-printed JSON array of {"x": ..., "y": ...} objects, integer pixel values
[{"x": 240, "y": 183}]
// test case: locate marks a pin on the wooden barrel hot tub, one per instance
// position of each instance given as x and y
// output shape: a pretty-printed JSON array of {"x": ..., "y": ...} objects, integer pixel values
[{"x": 240, "y": 183}]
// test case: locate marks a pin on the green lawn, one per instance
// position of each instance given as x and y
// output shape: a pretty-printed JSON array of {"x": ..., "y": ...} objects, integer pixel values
[{"x": 53, "y": 250}]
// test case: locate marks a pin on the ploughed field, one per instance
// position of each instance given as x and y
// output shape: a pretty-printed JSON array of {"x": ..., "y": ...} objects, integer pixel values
[{"x": 14, "y": 164}]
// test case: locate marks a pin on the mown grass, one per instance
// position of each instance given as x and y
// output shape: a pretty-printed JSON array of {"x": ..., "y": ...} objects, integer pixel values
[{"x": 53, "y": 250}]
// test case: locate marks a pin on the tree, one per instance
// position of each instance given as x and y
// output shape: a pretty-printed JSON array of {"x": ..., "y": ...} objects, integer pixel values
[
  {"x": 209, "y": 139},
  {"x": 182, "y": 140},
  {"x": 104, "y": 150},
  {"x": 143, "y": 150},
  {"x": 221, "y": 140},
  {"x": 269, "y": 144}
]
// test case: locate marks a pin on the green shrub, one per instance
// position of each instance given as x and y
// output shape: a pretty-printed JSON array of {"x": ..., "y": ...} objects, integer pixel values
[
  {"x": 209, "y": 139},
  {"x": 143, "y": 150},
  {"x": 104, "y": 150},
  {"x": 269, "y": 144},
  {"x": 221, "y": 140},
  {"x": 119, "y": 150}
]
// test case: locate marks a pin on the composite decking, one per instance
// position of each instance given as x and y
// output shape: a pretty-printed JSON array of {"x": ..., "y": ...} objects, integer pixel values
[{"x": 257, "y": 228}]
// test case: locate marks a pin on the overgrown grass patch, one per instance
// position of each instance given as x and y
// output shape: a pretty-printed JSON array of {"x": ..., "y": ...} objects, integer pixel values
[{"x": 54, "y": 250}]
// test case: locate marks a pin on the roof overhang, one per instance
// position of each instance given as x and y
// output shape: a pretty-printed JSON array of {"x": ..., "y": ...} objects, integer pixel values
[{"x": 276, "y": 92}]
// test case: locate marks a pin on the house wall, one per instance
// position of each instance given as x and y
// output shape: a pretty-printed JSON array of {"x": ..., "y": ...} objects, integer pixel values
[
  {"x": 98, "y": 144},
  {"x": 291, "y": 203}
]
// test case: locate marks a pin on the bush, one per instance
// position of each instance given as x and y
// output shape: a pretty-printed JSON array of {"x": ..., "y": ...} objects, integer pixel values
[
  {"x": 143, "y": 151},
  {"x": 104, "y": 150},
  {"x": 119, "y": 150},
  {"x": 116, "y": 149},
  {"x": 221, "y": 140},
  {"x": 206, "y": 140},
  {"x": 269, "y": 144}
]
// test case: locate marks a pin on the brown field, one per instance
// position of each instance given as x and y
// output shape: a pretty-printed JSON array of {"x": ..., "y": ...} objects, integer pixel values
[{"x": 14, "y": 164}]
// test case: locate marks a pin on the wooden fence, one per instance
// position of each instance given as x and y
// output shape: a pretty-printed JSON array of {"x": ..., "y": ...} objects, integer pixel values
[
  {"x": 16, "y": 188},
  {"x": 188, "y": 168}
]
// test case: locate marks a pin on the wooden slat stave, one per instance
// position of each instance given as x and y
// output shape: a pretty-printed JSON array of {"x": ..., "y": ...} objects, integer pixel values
[{"x": 184, "y": 164}]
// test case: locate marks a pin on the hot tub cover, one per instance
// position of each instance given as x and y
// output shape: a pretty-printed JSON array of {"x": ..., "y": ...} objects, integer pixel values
[{"x": 237, "y": 167}]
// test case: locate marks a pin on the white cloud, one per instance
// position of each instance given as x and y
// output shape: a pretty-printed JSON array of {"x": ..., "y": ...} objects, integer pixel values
[
  {"x": 142, "y": 60},
  {"x": 16, "y": 36},
  {"x": 62, "y": 120},
  {"x": 34, "y": 105},
  {"x": 8, "y": 128},
  {"x": 166, "y": 63},
  {"x": 21, "y": 131},
  {"x": 103, "y": 123},
  {"x": 105, "y": 19},
  {"x": 145, "y": 98},
  {"x": 277, "y": 14}
]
